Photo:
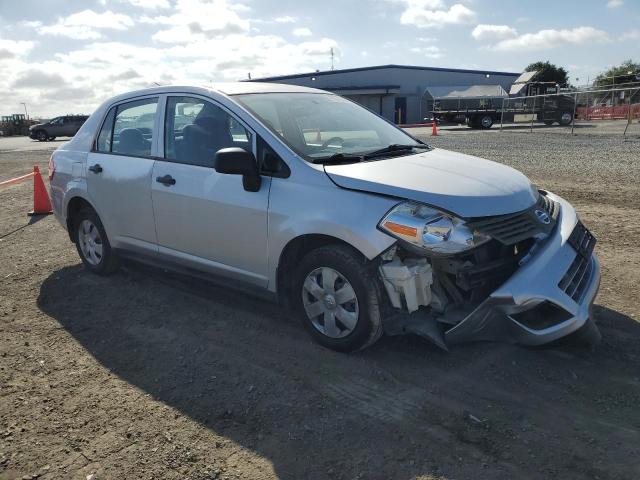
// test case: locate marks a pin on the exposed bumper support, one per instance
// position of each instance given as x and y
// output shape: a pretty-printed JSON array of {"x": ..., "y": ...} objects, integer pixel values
[{"x": 535, "y": 282}]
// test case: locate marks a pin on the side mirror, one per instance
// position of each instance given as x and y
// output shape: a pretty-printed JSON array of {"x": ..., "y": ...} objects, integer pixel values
[{"x": 237, "y": 161}]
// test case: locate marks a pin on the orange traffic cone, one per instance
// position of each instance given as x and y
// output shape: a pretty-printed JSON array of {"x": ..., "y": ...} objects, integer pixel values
[
  {"x": 41, "y": 202},
  {"x": 434, "y": 128}
]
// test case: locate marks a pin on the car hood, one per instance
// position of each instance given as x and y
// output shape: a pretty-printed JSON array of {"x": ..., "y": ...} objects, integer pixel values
[{"x": 461, "y": 184}]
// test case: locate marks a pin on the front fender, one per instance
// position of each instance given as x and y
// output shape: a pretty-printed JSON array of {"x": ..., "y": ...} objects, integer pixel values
[{"x": 347, "y": 215}]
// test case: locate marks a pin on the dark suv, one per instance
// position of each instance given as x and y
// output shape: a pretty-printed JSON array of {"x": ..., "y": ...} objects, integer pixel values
[{"x": 65, "y": 126}]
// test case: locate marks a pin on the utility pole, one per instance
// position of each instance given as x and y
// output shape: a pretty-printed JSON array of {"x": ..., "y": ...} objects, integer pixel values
[
  {"x": 26, "y": 114},
  {"x": 331, "y": 58}
]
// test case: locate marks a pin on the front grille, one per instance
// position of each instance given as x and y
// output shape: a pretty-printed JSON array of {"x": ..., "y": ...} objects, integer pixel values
[
  {"x": 575, "y": 282},
  {"x": 516, "y": 227},
  {"x": 549, "y": 206}
]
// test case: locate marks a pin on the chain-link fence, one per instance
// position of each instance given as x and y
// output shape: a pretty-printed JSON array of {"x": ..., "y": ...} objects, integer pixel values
[{"x": 612, "y": 110}]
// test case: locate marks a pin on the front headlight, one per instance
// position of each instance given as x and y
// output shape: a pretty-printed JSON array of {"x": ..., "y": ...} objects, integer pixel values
[{"x": 430, "y": 229}]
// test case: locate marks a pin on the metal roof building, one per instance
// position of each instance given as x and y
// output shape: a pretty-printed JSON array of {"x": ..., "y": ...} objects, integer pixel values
[{"x": 397, "y": 92}]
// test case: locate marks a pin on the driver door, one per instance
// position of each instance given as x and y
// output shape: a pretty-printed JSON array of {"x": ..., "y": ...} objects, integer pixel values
[{"x": 204, "y": 219}]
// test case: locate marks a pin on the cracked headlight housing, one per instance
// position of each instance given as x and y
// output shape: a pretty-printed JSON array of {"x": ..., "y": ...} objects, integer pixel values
[{"x": 430, "y": 230}]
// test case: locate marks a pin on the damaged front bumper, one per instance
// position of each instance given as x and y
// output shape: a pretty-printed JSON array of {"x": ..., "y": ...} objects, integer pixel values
[{"x": 547, "y": 298}]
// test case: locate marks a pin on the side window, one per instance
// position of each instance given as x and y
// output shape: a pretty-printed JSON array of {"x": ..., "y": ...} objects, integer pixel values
[
  {"x": 104, "y": 137},
  {"x": 196, "y": 129},
  {"x": 269, "y": 162},
  {"x": 133, "y": 127}
]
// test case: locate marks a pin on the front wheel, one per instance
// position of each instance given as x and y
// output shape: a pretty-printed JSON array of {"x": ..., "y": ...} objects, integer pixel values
[
  {"x": 337, "y": 297},
  {"x": 42, "y": 136},
  {"x": 92, "y": 243}
]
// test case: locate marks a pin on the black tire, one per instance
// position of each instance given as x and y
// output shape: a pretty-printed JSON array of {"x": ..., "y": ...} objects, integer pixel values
[
  {"x": 363, "y": 278},
  {"x": 108, "y": 262},
  {"x": 565, "y": 118},
  {"x": 41, "y": 136},
  {"x": 485, "y": 122}
]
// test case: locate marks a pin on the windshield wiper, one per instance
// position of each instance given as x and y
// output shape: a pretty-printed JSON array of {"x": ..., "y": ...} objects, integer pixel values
[
  {"x": 394, "y": 147},
  {"x": 338, "y": 158}
]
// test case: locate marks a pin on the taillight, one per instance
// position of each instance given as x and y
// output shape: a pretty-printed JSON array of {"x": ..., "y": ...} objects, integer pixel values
[{"x": 52, "y": 168}]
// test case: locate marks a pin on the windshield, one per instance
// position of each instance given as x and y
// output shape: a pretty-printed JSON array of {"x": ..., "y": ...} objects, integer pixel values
[{"x": 317, "y": 125}]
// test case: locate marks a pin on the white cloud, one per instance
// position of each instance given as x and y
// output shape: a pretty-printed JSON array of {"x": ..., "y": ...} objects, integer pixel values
[
  {"x": 434, "y": 14},
  {"x": 614, "y": 3},
  {"x": 302, "y": 32},
  {"x": 36, "y": 78},
  {"x": 14, "y": 48},
  {"x": 285, "y": 19},
  {"x": 547, "y": 39},
  {"x": 85, "y": 25},
  {"x": 150, "y": 4},
  {"x": 630, "y": 35},
  {"x": 492, "y": 32},
  {"x": 211, "y": 42},
  {"x": 195, "y": 19},
  {"x": 430, "y": 51}
]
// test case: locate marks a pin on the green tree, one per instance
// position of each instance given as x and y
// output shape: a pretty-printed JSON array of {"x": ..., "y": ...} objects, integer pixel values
[
  {"x": 626, "y": 72},
  {"x": 548, "y": 72}
]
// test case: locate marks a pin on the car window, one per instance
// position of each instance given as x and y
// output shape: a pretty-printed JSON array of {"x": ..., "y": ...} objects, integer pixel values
[
  {"x": 56, "y": 121},
  {"x": 268, "y": 113},
  {"x": 133, "y": 127},
  {"x": 196, "y": 129},
  {"x": 103, "y": 143},
  {"x": 317, "y": 125}
]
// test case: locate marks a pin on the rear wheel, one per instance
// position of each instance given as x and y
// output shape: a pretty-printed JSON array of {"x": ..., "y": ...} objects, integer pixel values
[
  {"x": 92, "y": 243},
  {"x": 486, "y": 121},
  {"x": 472, "y": 122},
  {"x": 565, "y": 118},
  {"x": 337, "y": 296}
]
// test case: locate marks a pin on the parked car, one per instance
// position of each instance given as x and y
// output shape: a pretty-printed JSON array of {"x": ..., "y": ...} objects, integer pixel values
[
  {"x": 65, "y": 126},
  {"x": 353, "y": 225}
]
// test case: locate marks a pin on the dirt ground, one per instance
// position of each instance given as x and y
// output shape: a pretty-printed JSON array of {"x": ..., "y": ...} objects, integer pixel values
[{"x": 145, "y": 375}]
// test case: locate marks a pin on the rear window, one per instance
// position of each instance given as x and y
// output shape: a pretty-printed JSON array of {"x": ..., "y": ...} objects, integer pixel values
[{"x": 128, "y": 128}]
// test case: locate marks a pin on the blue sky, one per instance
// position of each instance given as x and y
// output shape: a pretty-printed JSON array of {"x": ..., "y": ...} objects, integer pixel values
[{"x": 64, "y": 56}]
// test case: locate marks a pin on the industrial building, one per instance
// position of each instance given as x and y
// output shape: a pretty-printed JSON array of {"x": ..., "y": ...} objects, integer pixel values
[{"x": 400, "y": 93}]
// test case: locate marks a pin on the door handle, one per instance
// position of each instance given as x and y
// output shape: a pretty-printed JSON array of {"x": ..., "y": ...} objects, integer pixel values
[
  {"x": 95, "y": 168},
  {"x": 166, "y": 180}
]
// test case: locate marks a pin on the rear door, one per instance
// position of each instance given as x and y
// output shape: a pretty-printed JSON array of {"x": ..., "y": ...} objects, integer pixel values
[
  {"x": 74, "y": 124},
  {"x": 68, "y": 127},
  {"x": 119, "y": 173},
  {"x": 56, "y": 127},
  {"x": 204, "y": 219}
]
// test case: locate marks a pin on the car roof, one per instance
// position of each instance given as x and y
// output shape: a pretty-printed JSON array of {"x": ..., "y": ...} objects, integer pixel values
[{"x": 226, "y": 88}]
